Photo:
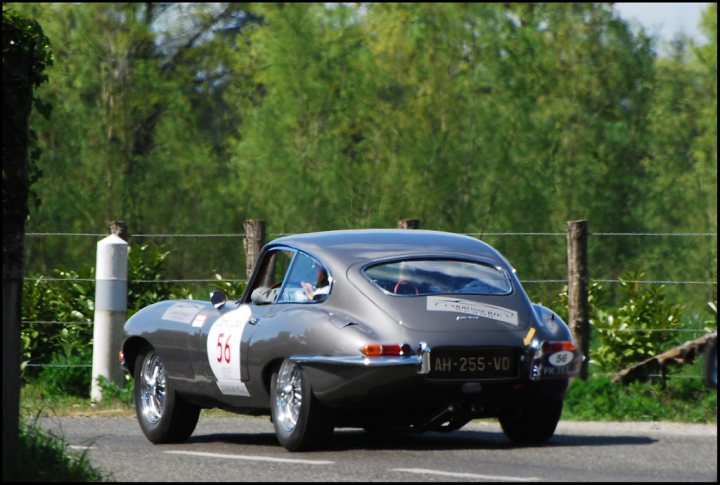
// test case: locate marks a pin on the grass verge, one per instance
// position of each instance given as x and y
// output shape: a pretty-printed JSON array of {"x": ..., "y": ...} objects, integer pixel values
[
  {"x": 681, "y": 398},
  {"x": 45, "y": 458}
]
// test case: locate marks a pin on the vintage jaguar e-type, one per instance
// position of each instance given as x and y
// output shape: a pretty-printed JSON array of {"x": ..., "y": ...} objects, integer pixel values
[{"x": 378, "y": 329}]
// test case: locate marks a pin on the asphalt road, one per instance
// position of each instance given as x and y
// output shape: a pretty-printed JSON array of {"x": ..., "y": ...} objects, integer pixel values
[{"x": 245, "y": 449}]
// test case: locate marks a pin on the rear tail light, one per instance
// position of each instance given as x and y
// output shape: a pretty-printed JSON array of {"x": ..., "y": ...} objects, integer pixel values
[
  {"x": 550, "y": 347},
  {"x": 382, "y": 350}
]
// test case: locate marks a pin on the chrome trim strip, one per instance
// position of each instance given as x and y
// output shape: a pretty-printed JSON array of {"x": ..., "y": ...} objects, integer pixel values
[{"x": 357, "y": 361}]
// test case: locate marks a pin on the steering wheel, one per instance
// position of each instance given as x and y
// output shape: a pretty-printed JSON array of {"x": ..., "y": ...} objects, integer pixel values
[{"x": 405, "y": 284}]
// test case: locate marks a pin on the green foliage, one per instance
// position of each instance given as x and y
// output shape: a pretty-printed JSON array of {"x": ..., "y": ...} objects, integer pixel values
[
  {"x": 638, "y": 329},
  {"x": 43, "y": 457},
  {"x": 476, "y": 118},
  {"x": 680, "y": 399},
  {"x": 36, "y": 400},
  {"x": 68, "y": 372},
  {"x": 26, "y": 58},
  {"x": 597, "y": 296},
  {"x": 24, "y": 37},
  {"x": 127, "y": 124},
  {"x": 57, "y": 315},
  {"x": 146, "y": 265},
  {"x": 112, "y": 392}
]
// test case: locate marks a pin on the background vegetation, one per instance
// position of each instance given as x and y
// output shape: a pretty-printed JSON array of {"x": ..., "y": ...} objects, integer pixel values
[{"x": 476, "y": 118}]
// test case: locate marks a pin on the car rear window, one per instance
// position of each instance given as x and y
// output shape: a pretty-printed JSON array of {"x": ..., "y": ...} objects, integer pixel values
[{"x": 439, "y": 276}]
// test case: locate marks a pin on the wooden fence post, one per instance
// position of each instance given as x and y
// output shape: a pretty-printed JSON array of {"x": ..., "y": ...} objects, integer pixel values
[
  {"x": 254, "y": 241},
  {"x": 578, "y": 308},
  {"x": 409, "y": 224},
  {"x": 120, "y": 229}
]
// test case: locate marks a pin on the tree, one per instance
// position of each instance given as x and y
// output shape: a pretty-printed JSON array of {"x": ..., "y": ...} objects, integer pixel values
[
  {"x": 477, "y": 117},
  {"x": 140, "y": 124},
  {"x": 681, "y": 161},
  {"x": 307, "y": 129},
  {"x": 26, "y": 54}
]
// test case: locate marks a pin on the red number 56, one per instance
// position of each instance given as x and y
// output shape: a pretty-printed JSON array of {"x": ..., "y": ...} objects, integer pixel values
[{"x": 223, "y": 350}]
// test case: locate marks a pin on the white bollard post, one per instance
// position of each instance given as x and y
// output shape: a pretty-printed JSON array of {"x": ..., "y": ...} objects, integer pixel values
[{"x": 110, "y": 311}]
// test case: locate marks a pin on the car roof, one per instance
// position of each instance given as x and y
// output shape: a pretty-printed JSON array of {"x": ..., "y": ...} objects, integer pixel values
[{"x": 346, "y": 247}]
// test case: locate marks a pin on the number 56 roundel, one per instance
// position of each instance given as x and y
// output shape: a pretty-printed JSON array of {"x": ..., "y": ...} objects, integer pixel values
[{"x": 223, "y": 350}]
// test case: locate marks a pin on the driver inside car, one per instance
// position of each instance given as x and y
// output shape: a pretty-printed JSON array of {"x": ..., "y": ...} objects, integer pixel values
[{"x": 319, "y": 288}]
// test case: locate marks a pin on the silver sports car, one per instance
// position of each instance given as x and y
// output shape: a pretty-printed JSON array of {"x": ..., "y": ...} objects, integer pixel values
[{"x": 407, "y": 330}]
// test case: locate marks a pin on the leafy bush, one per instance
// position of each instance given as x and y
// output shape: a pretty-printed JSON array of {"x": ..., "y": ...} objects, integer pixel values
[
  {"x": 57, "y": 313},
  {"x": 679, "y": 399},
  {"x": 147, "y": 263},
  {"x": 57, "y": 319},
  {"x": 596, "y": 292},
  {"x": 68, "y": 372},
  {"x": 112, "y": 391},
  {"x": 632, "y": 332},
  {"x": 638, "y": 329}
]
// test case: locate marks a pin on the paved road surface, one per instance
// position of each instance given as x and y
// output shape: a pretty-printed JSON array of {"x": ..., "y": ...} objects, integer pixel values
[{"x": 245, "y": 449}]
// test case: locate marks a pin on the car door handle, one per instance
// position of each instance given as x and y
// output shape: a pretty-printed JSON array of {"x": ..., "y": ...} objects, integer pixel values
[{"x": 253, "y": 321}]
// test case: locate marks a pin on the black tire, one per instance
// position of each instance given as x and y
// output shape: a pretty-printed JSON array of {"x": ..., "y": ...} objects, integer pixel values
[
  {"x": 301, "y": 422},
  {"x": 710, "y": 357},
  {"x": 164, "y": 416},
  {"x": 533, "y": 423}
]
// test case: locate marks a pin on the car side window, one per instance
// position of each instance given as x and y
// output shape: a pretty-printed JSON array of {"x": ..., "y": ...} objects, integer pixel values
[
  {"x": 307, "y": 281},
  {"x": 271, "y": 274}
]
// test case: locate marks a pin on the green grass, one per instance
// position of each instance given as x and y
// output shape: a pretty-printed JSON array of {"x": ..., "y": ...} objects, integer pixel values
[
  {"x": 35, "y": 399},
  {"x": 45, "y": 458},
  {"x": 682, "y": 398}
]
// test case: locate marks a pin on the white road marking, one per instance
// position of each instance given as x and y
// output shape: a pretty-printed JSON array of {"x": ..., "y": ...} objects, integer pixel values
[
  {"x": 81, "y": 447},
  {"x": 252, "y": 458},
  {"x": 466, "y": 475}
]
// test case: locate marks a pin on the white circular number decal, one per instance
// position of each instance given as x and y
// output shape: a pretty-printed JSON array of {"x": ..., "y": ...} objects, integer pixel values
[
  {"x": 559, "y": 359},
  {"x": 223, "y": 349}
]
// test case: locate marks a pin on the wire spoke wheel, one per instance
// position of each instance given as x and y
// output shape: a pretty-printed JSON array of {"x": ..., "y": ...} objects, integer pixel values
[
  {"x": 153, "y": 386},
  {"x": 163, "y": 415},
  {"x": 289, "y": 396},
  {"x": 301, "y": 422}
]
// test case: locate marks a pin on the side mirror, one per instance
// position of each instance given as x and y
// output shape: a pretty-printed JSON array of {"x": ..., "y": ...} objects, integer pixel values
[{"x": 218, "y": 298}]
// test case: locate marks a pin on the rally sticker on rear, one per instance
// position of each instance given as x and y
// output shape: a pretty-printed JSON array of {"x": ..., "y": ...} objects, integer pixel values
[
  {"x": 223, "y": 350},
  {"x": 469, "y": 307}
]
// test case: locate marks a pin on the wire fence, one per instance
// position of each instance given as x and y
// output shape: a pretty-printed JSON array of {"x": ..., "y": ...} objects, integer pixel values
[
  {"x": 473, "y": 234},
  {"x": 185, "y": 281}
]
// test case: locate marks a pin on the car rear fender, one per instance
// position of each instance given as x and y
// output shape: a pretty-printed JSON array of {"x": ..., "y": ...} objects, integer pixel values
[
  {"x": 132, "y": 347},
  {"x": 165, "y": 327},
  {"x": 555, "y": 354}
]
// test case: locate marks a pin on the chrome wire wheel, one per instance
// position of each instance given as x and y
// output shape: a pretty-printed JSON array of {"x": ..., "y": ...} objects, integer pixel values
[
  {"x": 288, "y": 396},
  {"x": 153, "y": 388}
]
